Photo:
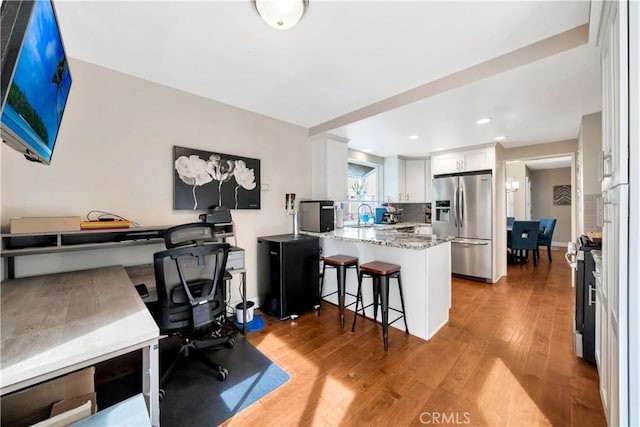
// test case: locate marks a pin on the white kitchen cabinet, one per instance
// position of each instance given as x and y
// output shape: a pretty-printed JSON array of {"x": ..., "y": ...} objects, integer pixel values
[
  {"x": 602, "y": 348},
  {"x": 394, "y": 179},
  {"x": 329, "y": 167},
  {"x": 428, "y": 181},
  {"x": 415, "y": 180},
  {"x": 612, "y": 312},
  {"x": 463, "y": 161},
  {"x": 445, "y": 163},
  {"x": 615, "y": 147},
  {"x": 337, "y": 159},
  {"x": 614, "y": 355},
  {"x": 404, "y": 180}
]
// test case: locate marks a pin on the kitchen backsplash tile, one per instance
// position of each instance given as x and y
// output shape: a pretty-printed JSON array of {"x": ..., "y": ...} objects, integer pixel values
[
  {"x": 590, "y": 213},
  {"x": 412, "y": 212}
]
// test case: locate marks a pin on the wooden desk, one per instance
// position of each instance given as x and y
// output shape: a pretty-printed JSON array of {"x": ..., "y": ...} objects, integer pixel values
[{"x": 57, "y": 323}]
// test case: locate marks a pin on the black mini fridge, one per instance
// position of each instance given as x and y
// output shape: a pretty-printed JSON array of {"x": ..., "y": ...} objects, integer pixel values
[{"x": 288, "y": 274}]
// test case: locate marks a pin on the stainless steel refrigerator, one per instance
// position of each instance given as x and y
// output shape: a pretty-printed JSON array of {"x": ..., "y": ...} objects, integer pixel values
[{"x": 463, "y": 208}]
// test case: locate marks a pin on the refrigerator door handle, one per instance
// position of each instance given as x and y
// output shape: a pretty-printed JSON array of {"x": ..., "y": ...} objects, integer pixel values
[
  {"x": 461, "y": 207},
  {"x": 466, "y": 242},
  {"x": 455, "y": 207}
]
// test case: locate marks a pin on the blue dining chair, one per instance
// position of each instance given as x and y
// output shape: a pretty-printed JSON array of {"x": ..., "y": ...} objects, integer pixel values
[
  {"x": 524, "y": 237},
  {"x": 545, "y": 235}
]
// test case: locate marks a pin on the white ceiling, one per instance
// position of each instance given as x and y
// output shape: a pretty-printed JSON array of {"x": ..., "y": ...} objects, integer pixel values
[{"x": 345, "y": 56}]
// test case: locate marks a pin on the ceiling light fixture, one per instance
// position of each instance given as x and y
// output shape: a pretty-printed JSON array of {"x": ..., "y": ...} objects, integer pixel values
[
  {"x": 281, "y": 14},
  {"x": 483, "y": 121},
  {"x": 500, "y": 138},
  {"x": 413, "y": 137},
  {"x": 367, "y": 150}
]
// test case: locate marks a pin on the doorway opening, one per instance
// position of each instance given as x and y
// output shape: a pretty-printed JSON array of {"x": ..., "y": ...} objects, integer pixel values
[{"x": 543, "y": 188}]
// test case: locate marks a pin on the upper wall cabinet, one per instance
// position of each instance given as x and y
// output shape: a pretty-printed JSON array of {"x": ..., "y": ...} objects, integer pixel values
[
  {"x": 394, "y": 179},
  {"x": 463, "y": 161},
  {"x": 614, "y": 159},
  {"x": 329, "y": 158},
  {"x": 405, "y": 180},
  {"x": 415, "y": 180},
  {"x": 428, "y": 179}
]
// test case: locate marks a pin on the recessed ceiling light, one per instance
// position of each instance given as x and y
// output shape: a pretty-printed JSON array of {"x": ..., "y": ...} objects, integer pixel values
[
  {"x": 483, "y": 121},
  {"x": 500, "y": 138},
  {"x": 438, "y": 149},
  {"x": 367, "y": 150},
  {"x": 413, "y": 137}
]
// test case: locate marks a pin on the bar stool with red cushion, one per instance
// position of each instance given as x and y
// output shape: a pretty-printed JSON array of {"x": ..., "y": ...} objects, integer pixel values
[
  {"x": 380, "y": 272},
  {"x": 341, "y": 263}
]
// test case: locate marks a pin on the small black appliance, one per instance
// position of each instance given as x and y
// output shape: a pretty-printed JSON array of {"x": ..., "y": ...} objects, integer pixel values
[{"x": 316, "y": 215}]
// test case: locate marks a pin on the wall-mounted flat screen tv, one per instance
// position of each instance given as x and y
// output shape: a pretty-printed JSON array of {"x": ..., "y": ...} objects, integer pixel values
[{"x": 35, "y": 78}]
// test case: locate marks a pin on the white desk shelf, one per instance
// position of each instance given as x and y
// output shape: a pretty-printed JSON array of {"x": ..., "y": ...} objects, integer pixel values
[{"x": 19, "y": 244}]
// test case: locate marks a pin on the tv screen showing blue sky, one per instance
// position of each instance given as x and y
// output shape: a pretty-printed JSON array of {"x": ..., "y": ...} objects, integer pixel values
[{"x": 40, "y": 85}]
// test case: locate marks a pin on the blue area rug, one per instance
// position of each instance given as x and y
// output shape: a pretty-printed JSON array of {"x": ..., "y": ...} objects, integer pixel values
[{"x": 194, "y": 397}]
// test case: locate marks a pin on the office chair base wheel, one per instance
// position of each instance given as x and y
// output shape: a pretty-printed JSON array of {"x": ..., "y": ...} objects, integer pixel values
[
  {"x": 222, "y": 374},
  {"x": 161, "y": 394},
  {"x": 230, "y": 343}
]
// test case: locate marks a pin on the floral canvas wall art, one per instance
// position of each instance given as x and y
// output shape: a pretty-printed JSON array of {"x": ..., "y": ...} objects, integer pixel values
[{"x": 204, "y": 180}]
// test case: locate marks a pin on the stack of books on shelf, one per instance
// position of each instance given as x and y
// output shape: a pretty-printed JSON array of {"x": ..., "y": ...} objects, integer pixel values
[{"x": 103, "y": 225}]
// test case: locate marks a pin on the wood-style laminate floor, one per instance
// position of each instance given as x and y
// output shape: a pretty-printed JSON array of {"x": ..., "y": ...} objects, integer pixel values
[{"x": 504, "y": 359}]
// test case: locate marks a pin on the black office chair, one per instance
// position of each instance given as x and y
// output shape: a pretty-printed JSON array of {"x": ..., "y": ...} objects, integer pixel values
[
  {"x": 190, "y": 279},
  {"x": 524, "y": 238}
]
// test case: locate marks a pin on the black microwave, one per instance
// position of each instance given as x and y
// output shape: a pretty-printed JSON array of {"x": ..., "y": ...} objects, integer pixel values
[{"x": 316, "y": 215}]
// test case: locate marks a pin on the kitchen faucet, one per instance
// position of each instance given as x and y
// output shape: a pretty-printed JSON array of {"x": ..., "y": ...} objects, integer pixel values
[{"x": 366, "y": 207}]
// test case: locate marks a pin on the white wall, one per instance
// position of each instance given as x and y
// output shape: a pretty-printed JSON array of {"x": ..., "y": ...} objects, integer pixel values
[
  {"x": 590, "y": 144},
  {"x": 114, "y": 153},
  {"x": 517, "y": 172},
  {"x": 542, "y": 200}
]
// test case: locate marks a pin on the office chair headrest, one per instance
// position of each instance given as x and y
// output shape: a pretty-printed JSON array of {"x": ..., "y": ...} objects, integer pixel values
[{"x": 192, "y": 234}]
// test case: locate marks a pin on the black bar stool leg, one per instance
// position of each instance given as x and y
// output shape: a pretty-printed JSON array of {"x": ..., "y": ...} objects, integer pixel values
[
  {"x": 404, "y": 317},
  {"x": 341, "y": 272},
  {"x": 358, "y": 300},
  {"x": 376, "y": 296},
  {"x": 384, "y": 302},
  {"x": 321, "y": 288}
]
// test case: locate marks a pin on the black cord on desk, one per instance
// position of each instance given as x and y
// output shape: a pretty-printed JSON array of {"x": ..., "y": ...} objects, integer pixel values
[{"x": 104, "y": 214}]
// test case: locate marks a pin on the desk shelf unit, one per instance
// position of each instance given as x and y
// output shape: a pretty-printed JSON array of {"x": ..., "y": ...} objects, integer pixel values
[{"x": 19, "y": 244}]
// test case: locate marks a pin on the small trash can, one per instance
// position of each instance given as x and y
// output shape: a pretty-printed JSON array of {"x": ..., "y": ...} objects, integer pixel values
[{"x": 239, "y": 311}]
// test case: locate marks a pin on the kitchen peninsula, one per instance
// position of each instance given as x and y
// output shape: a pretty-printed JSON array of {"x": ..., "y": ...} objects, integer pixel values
[{"x": 426, "y": 270}]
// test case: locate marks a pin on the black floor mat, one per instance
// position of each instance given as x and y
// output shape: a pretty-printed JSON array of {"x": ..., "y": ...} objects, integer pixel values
[{"x": 194, "y": 397}]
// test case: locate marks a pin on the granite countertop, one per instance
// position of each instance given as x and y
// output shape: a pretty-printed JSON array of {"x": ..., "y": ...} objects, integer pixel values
[{"x": 386, "y": 235}]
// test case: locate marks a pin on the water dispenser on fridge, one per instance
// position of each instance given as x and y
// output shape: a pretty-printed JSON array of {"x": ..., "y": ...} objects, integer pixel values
[{"x": 443, "y": 210}]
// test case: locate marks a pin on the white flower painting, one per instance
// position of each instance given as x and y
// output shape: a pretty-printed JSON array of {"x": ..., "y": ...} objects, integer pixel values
[
  {"x": 245, "y": 178},
  {"x": 192, "y": 170},
  {"x": 204, "y": 180}
]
